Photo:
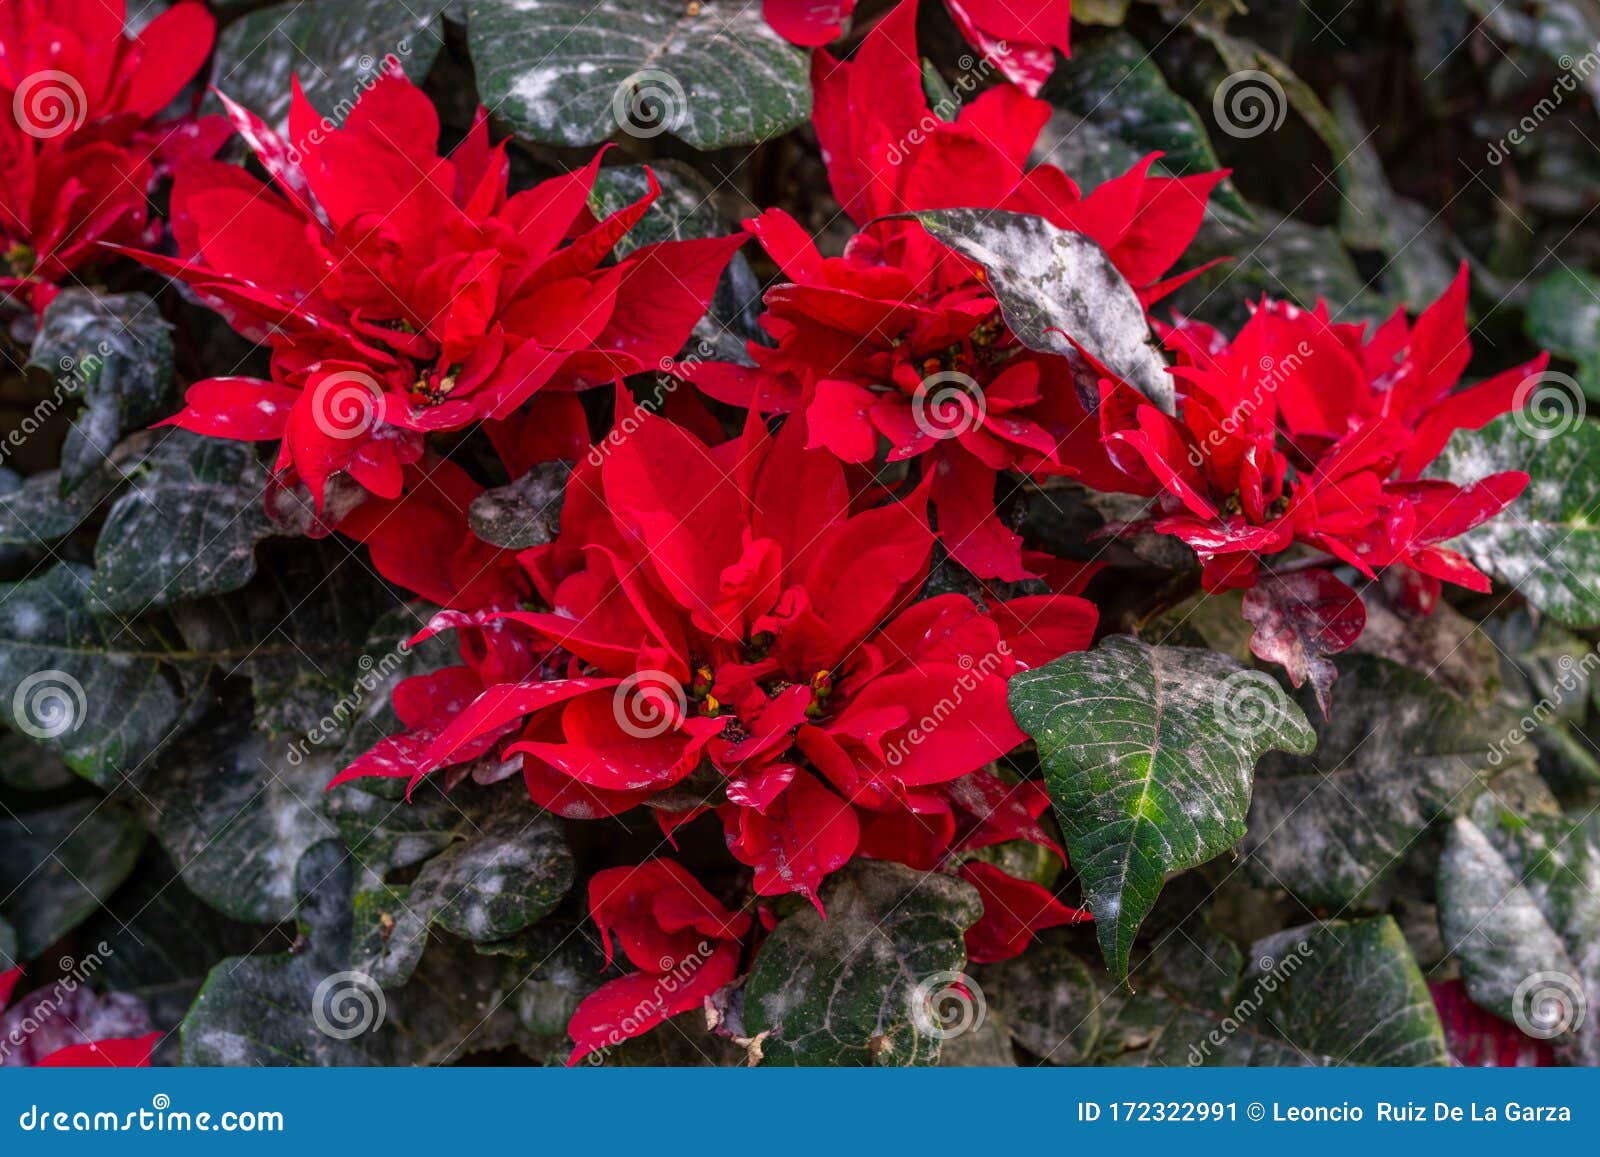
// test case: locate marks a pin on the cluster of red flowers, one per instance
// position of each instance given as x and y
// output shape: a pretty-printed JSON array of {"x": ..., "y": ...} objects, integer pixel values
[
  {"x": 81, "y": 149},
  {"x": 737, "y": 627}
]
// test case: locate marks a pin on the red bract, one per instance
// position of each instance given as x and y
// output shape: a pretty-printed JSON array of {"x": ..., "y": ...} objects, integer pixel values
[
  {"x": 901, "y": 339},
  {"x": 1018, "y": 37},
  {"x": 79, "y": 151},
  {"x": 1300, "y": 431},
  {"x": 724, "y": 634},
  {"x": 684, "y": 944},
  {"x": 68, "y": 1026},
  {"x": 404, "y": 292}
]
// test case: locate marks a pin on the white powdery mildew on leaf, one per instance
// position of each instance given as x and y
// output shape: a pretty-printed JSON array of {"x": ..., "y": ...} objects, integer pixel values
[
  {"x": 714, "y": 74},
  {"x": 1049, "y": 280},
  {"x": 1149, "y": 765}
]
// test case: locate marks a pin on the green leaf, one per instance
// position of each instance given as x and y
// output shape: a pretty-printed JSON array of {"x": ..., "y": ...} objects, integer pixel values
[
  {"x": 1546, "y": 544},
  {"x": 571, "y": 72},
  {"x": 1397, "y": 754},
  {"x": 26, "y": 766},
  {"x": 236, "y": 812},
  {"x": 1049, "y": 1000},
  {"x": 1519, "y": 906},
  {"x": 1148, "y": 754},
  {"x": 483, "y": 864},
  {"x": 1049, "y": 279},
  {"x": 310, "y": 1007},
  {"x": 58, "y": 867},
  {"x": 1566, "y": 31},
  {"x": 868, "y": 985},
  {"x": 1339, "y": 993},
  {"x": 307, "y": 634},
  {"x": 38, "y": 513},
  {"x": 9, "y": 956},
  {"x": 1114, "y": 83},
  {"x": 99, "y": 692},
  {"x": 1563, "y": 316},
  {"x": 163, "y": 940},
  {"x": 337, "y": 50},
  {"x": 187, "y": 528},
  {"x": 115, "y": 352}
]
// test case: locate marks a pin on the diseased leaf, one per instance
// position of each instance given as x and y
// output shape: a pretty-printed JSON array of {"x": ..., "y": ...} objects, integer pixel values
[
  {"x": 186, "y": 528},
  {"x": 1546, "y": 544},
  {"x": 1339, "y": 993},
  {"x": 1300, "y": 619},
  {"x": 1519, "y": 906},
  {"x": 863, "y": 986},
  {"x": 1114, "y": 84},
  {"x": 114, "y": 352},
  {"x": 1397, "y": 754},
  {"x": 101, "y": 693},
  {"x": 310, "y": 1007},
  {"x": 1050, "y": 279},
  {"x": 304, "y": 632},
  {"x": 235, "y": 812},
  {"x": 482, "y": 865},
  {"x": 1148, "y": 754},
  {"x": 523, "y": 513},
  {"x": 572, "y": 72},
  {"x": 36, "y": 513},
  {"x": 1563, "y": 316},
  {"x": 57, "y": 867},
  {"x": 336, "y": 50}
]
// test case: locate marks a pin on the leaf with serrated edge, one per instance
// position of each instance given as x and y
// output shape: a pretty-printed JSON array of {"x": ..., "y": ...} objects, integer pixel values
[
  {"x": 1148, "y": 754},
  {"x": 845, "y": 990}
]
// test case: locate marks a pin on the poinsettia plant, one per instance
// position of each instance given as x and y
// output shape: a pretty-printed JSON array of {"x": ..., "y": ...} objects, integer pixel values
[{"x": 861, "y": 533}]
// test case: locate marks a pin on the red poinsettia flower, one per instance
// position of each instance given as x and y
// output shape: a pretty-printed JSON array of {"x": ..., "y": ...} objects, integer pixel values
[
  {"x": 1299, "y": 431},
  {"x": 900, "y": 339},
  {"x": 1018, "y": 37},
  {"x": 404, "y": 292},
  {"x": 719, "y": 609},
  {"x": 79, "y": 150},
  {"x": 68, "y": 1026},
  {"x": 684, "y": 944}
]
